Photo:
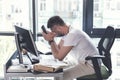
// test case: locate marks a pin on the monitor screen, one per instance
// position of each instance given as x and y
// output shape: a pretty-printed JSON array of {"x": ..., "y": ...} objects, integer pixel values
[{"x": 26, "y": 40}]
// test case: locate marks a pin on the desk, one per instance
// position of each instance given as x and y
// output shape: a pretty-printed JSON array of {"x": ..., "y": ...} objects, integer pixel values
[
  {"x": 56, "y": 75},
  {"x": 8, "y": 75}
]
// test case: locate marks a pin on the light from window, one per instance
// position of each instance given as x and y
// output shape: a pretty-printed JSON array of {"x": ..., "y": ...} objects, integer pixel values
[{"x": 106, "y": 13}]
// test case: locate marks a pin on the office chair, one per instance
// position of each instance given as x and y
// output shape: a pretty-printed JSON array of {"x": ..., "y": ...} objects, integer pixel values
[{"x": 104, "y": 70}]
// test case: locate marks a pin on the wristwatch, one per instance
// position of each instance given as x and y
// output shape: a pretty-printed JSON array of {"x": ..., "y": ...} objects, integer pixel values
[{"x": 50, "y": 42}]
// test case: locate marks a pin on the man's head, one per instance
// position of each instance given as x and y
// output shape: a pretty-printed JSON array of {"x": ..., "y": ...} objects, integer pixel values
[
  {"x": 55, "y": 20},
  {"x": 57, "y": 25}
]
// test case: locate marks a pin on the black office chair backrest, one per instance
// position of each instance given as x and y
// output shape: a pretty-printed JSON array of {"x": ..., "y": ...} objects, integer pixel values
[{"x": 105, "y": 45}]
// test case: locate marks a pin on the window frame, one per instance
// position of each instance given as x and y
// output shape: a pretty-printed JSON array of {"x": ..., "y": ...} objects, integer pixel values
[{"x": 88, "y": 21}]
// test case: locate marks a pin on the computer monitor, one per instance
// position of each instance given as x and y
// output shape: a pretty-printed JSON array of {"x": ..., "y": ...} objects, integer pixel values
[{"x": 26, "y": 42}]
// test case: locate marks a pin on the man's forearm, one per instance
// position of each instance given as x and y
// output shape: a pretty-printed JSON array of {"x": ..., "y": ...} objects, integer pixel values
[{"x": 55, "y": 49}]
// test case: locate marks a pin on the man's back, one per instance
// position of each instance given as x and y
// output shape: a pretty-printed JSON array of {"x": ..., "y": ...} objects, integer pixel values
[{"x": 82, "y": 43}]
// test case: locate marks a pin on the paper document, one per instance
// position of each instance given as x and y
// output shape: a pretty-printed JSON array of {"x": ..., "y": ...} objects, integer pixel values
[
  {"x": 17, "y": 68},
  {"x": 49, "y": 65},
  {"x": 52, "y": 62}
]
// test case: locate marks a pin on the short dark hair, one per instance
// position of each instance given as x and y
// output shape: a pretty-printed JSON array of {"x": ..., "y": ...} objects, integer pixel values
[{"x": 55, "y": 20}]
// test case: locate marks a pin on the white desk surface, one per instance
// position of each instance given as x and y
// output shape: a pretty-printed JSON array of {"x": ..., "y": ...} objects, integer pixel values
[{"x": 30, "y": 74}]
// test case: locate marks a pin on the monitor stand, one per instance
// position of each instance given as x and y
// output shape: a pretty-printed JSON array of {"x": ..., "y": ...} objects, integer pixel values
[
  {"x": 17, "y": 40},
  {"x": 34, "y": 60}
]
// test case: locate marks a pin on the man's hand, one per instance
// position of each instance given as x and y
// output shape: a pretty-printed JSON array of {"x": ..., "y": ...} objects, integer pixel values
[{"x": 49, "y": 36}]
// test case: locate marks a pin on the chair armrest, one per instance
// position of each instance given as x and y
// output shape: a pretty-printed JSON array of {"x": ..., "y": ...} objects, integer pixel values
[
  {"x": 94, "y": 57},
  {"x": 96, "y": 65}
]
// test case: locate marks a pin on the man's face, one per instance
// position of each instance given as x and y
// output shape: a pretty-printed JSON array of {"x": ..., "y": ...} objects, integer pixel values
[{"x": 58, "y": 30}]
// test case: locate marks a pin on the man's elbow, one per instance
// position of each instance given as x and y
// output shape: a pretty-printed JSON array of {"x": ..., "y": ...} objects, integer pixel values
[{"x": 60, "y": 58}]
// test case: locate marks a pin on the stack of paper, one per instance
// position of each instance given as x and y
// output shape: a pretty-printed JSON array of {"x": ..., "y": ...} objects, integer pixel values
[{"x": 17, "y": 68}]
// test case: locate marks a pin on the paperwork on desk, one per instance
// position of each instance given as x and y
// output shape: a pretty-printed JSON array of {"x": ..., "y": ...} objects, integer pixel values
[
  {"x": 42, "y": 47},
  {"x": 51, "y": 65},
  {"x": 44, "y": 68},
  {"x": 17, "y": 68}
]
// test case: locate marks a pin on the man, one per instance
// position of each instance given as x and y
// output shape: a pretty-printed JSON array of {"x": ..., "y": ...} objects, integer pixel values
[{"x": 75, "y": 43}]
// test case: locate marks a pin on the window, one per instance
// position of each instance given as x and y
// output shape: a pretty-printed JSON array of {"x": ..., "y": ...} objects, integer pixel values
[
  {"x": 12, "y": 13},
  {"x": 42, "y": 5},
  {"x": 69, "y": 10},
  {"x": 100, "y": 14},
  {"x": 108, "y": 14}
]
